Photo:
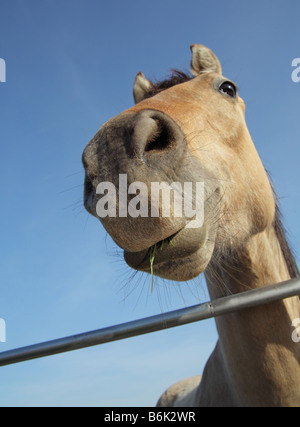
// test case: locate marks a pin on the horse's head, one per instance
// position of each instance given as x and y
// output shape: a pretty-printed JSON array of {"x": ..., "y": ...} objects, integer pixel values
[{"x": 192, "y": 132}]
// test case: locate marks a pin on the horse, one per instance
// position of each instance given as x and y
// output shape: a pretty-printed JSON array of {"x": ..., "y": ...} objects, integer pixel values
[{"x": 183, "y": 131}]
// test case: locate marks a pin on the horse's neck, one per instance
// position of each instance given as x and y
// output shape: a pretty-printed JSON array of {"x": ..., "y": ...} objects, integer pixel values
[
  {"x": 258, "y": 262},
  {"x": 259, "y": 357}
]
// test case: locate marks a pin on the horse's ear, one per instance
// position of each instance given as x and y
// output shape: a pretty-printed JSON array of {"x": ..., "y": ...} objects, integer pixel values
[
  {"x": 204, "y": 60},
  {"x": 141, "y": 87}
]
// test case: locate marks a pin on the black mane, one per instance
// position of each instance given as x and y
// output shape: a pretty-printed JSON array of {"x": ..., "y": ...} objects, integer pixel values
[
  {"x": 286, "y": 250},
  {"x": 177, "y": 77}
]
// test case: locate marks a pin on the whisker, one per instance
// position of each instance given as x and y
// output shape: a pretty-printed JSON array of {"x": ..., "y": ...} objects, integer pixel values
[
  {"x": 75, "y": 173},
  {"x": 71, "y": 188}
]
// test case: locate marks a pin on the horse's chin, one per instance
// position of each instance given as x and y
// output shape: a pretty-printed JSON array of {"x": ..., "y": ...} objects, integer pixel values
[{"x": 180, "y": 257}]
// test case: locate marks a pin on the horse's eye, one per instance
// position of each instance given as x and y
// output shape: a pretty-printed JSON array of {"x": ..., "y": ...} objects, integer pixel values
[{"x": 228, "y": 88}]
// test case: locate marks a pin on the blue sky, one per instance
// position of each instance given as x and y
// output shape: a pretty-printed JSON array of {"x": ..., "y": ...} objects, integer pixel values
[{"x": 70, "y": 67}]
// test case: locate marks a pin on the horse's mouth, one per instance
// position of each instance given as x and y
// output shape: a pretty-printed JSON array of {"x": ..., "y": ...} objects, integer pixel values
[
  {"x": 142, "y": 260},
  {"x": 173, "y": 249}
]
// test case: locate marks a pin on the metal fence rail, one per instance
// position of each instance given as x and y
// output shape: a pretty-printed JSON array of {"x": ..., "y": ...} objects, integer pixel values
[{"x": 146, "y": 325}]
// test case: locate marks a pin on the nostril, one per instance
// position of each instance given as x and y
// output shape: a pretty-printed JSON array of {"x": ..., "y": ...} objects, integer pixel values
[
  {"x": 150, "y": 133},
  {"x": 89, "y": 194},
  {"x": 161, "y": 138},
  {"x": 88, "y": 182},
  {"x": 88, "y": 186}
]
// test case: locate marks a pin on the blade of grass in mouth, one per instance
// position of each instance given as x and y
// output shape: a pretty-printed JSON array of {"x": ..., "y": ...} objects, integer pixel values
[
  {"x": 152, "y": 257},
  {"x": 152, "y": 254}
]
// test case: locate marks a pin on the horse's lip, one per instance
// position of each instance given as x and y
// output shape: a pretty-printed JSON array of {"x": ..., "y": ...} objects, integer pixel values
[
  {"x": 159, "y": 242},
  {"x": 141, "y": 259}
]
